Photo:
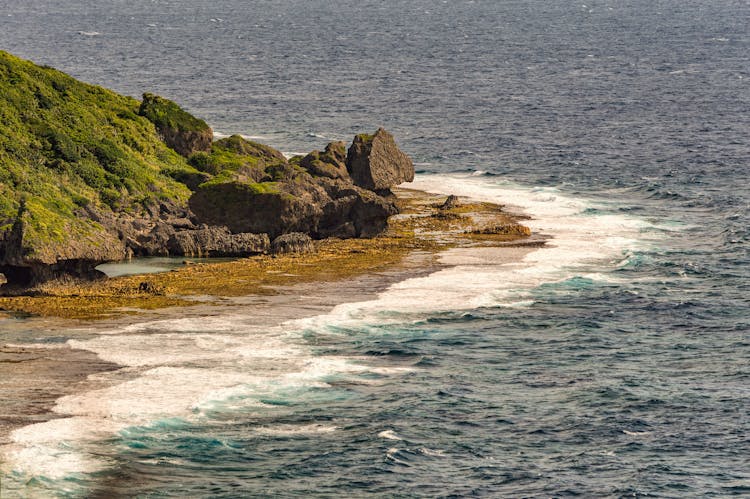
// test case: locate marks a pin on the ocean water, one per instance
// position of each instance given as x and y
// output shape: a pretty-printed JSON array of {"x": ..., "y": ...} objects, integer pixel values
[{"x": 614, "y": 361}]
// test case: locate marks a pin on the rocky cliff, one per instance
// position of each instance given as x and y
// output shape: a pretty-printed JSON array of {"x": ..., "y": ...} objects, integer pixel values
[{"x": 88, "y": 176}]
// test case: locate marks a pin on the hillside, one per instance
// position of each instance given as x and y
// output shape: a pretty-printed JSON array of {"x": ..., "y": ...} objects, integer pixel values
[
  {"x": 66, "y": 145},
  {"x": 89, "y": 176}
]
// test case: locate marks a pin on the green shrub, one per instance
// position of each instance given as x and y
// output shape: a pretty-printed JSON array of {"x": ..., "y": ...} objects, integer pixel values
[{"x": 166, "y": 114}]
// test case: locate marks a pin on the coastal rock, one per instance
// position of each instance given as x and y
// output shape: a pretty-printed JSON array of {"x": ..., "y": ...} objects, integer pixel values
[
  {"x": 450, "y": 203},
  {"x": 216, "y": 241},
  {"x": 243, "y": 147},
  {"x": 180, "y": 130},
  {"x": 330, "y": 163},
  {"x": 29, "y": 257},
  {"x": 353, "y": 211},
  {"x": 270, "y": 208},
  {"x": 512, "y": 229},
  {"x": 376, "y": 163},
  {"x": 294, "y": 242}
]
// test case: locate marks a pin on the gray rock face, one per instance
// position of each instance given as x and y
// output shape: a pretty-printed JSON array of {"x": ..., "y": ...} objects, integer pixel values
[
  {"x": 294, "y": 242},
  {"x": 216, "y": 241},
  {"x": 353, "y": 211},
  {"x": 243, "y": 208},
  {"x": 330, "y": 163},
  {"x": 376, "y": 163}
]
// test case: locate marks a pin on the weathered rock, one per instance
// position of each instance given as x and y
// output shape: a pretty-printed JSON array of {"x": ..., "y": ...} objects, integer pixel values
[
  {"x": 294, "y": 242},
  {"x": 259, "y": 208},
  {"x": 187, "y": 142},
  {"x": 240, "y": 145},
  {"x": 330, "y": 163},
  {"x": 28, "y": 258},
  {"x": 152, "y": 243},
  {"x": 376, "y": 163},
  {"x": 450, "y": 203},
  {"x": 180, "y": 130},
  {"x": 216, "y": 241},
  {"x": 353, "y": 211}
]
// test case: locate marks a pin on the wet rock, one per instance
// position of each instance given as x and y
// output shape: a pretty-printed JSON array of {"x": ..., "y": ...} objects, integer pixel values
[
  {"x": 512, "y": 229},
  {"x": 450, "y": 203},
  {"x": 294, "y": 242},
  {"x": 376, "y": 163},
  {"x": 216, "y": 242}
]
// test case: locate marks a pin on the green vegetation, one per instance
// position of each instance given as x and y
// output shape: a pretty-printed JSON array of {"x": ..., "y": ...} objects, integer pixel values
[
  {"x": 166, "y": 114},
  {"x": 65, "y": 145},
  {"x": 235, "y": 159},
  {"x": 365, "y": 137}
]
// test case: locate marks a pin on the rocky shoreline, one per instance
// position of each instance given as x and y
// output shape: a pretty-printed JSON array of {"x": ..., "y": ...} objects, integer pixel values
[
  {"x": 426, "y": 225},
  {"x": 88, "y": 177},
  {"x": 278, "y": 287},
  {"x": 268, "y": 204}
]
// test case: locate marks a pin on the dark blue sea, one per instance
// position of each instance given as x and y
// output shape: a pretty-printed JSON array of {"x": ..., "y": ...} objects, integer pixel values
[{"x": 613, "y": 362}]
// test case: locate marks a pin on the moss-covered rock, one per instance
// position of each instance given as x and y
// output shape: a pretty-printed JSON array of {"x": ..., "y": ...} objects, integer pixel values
[
  {"x": 330, "y": 163},
  {"x": 181, "y": 131}
]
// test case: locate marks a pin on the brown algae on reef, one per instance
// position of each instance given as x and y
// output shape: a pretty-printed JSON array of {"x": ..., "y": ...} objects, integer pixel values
[{"x": 424, "y": 225}]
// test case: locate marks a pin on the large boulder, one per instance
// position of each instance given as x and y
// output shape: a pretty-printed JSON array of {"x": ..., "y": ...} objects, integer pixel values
[
  {"x": 353, "y": 211},
  {"x": 273, "y": 208},
  {"x": 216, "y": 241},
  {"x": 376, "y": 163},
  {"x": 294, "y": 242},
  {"x": 330, "y": 163},
  {"x": 180, "y": 130}
]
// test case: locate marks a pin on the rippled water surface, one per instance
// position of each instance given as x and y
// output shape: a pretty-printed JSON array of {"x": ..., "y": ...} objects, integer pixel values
[{"x": 613, "y": 362}]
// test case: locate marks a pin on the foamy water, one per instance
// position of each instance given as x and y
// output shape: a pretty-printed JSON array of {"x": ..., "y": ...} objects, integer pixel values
[{"x": 196, "y": 368}]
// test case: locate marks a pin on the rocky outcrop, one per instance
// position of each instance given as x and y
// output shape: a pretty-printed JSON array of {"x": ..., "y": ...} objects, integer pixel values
[
  {"x": 180, "y": 130},
  {"x": 28, "y": 258},
  {"x": 450, "y": 203},
  {"x": 217, "y": 241},
  {"x": 512, "y": 229},
  {"x": 99, "y": 182},
  {"x": 294, "y": 242},
  {"x": 271, "y": 208},
  {"x": 353, "y": 211},
  {"x": 243, "y": 147},
  {"x": 187, "y": 142},
  {"x": 330, "y": 163},
  {"x": 376, "y": 163}
]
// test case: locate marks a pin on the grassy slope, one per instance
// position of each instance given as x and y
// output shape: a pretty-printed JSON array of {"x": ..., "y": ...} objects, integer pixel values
[{"x": 65, "y": 144}]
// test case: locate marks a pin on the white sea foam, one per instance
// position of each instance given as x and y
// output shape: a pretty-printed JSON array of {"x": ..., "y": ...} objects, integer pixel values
[
  {"x": 636, "y": 433},
  {"x": 389, "y": 435},
  {"x": 486, "y": 277},
  {"x": 194, "y": 367},
  {"x": 293, "y": 430}
]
